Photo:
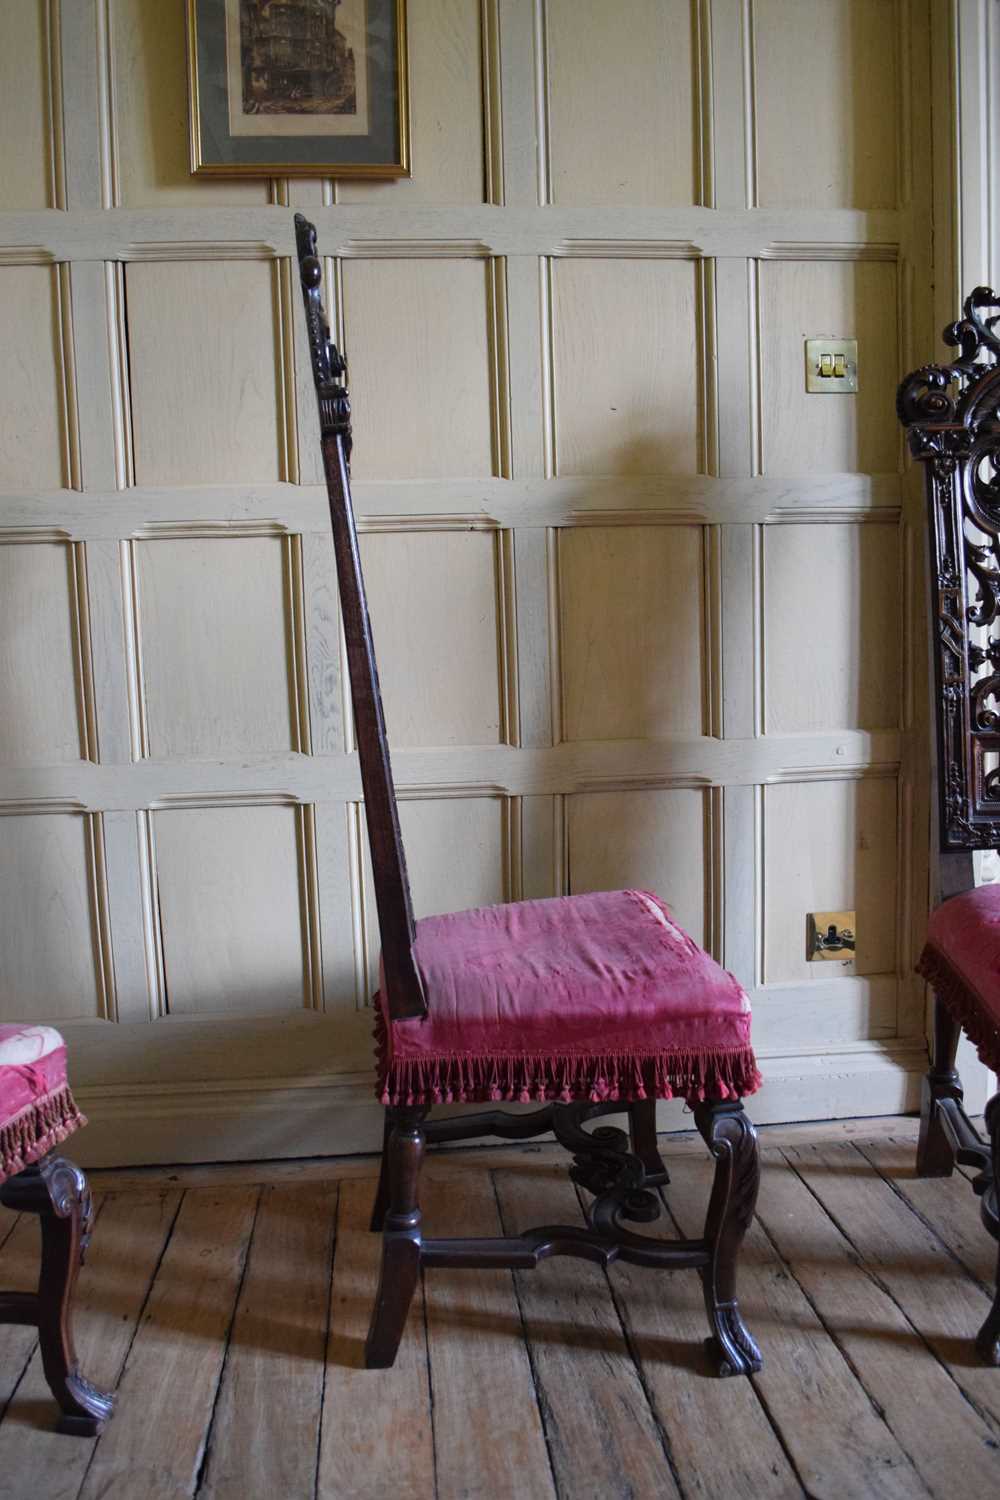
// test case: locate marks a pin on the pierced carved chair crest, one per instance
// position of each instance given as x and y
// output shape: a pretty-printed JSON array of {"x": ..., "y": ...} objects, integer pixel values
[{"x": 952, "y": 416}]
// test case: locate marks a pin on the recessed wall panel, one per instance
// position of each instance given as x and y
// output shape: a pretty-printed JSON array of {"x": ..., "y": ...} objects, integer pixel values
[
  {"x": 433, "y": 603},
  {"x": 446, "y": 110},
  {"x": 48, "y": 946},
  {"x": 25, "y": 162},
  {"x": 40, "y": 722},
  {"x": 829, "y": 846},
  {"x": 216, "y": 649},
  {"x": 809, "y": 433},
  {"x": 417, "y": 342},
  {"x": 832, "y": 627},
  {"x": 203, "y": 364},
  {"x": 642, "y": 840},
  {"x": 149, "y": 67},
  {"x": 827, "y": 105},
  {"x": 31, "y": 432},
  {"x": 231, "y": 896},
  {"x": 626, "y": 403},
  {"x": 632, "y": 641},
  {"x": 620, "y": 102}
]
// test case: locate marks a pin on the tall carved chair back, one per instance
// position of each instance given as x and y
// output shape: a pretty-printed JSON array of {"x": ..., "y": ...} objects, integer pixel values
[
  {"x": 952, "y": 416},
  {"x": 588, "y": 1005},
  {"x": 392, "y": 887}
]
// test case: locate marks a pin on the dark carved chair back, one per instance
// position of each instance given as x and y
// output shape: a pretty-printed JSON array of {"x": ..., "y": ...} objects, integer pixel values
[
  {"x": 952, "y": 415},
  {"x": 404, "y": 993}
]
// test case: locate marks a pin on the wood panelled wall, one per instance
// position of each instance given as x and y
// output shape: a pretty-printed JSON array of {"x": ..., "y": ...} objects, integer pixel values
[{"x": 641, "y": 603}]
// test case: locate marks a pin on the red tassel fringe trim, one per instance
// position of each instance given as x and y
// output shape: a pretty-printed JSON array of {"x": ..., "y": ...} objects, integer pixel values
[
  {"x": 462, "y": 1078},
  {"x": 31, "y": 1134},
  {"x": 963, "y": 1003}
]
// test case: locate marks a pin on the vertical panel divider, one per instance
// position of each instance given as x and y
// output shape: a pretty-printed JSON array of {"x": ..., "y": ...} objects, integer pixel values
[
  {"x": 731, "y": 327},
  {"x": 522, "y": 119}
]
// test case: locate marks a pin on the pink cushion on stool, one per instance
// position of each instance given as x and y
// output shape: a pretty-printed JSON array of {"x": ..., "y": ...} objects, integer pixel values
[
  {"x": 962, "y": 962},
  {"x": 37, "y": 1110},
  {"x": 594, "y": 997}
]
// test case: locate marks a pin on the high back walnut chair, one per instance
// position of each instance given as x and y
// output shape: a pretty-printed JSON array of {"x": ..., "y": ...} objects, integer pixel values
[
  {"x": 587, "y": 1005},
  {"x": 952, "y": 414}
]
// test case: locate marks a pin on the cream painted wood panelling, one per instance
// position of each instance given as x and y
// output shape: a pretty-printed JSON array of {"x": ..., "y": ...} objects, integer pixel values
[
  {"x": 646, "y": 612},
  {"x": 629, "y": 596},
  {"x": 217, "y": 641},
  {"x": 417, "y": 338},
  {"x": 232, "y": 907},
  {"x": 829, "y": 846},
  {"x": 33, "y": 430},
  {"x": 828, "y": 124},
  {"x": 50, "y": 968},
  {"x": 831, "y": 627},
  {"x": 26, "y": 169},
  {"x": 149, "y": 77},
  {"x": 806, "y": 432},
  {"x": 447, "y": 131},
  {"x": 612, "y": 141},
  {"x": 458, "y": 857},
  {"x": 626, "y": 405},
  {"x": 433, "y": 598},
  {"x": 40, "y": 681},
  {"x": 204, "y": 409},
  {"x": 655, "y": 840}
]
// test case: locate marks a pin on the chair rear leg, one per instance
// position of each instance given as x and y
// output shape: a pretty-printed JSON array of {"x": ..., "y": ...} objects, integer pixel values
[
  {"x": 400, "y": 1238},
  {"x": 988, "y": 1337},
  {"x": 732, "y": 1140},
  {"x": 642, "y": 1130},
  {"x": 935, "y": 1153}
]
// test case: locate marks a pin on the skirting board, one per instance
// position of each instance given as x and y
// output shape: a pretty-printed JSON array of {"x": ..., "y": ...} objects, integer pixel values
[{"x": 191, "y": 1123}]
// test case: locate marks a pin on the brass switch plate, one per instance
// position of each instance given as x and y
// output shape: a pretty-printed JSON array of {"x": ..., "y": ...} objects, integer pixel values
[
  {"x": 832, "y": 366},
  {"x": 831, "y": 935}
]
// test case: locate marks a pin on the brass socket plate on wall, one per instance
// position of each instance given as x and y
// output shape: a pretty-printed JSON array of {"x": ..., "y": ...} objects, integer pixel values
[
  {"x": 832, "y": 366},
  {"x": 831, "y": 936}
]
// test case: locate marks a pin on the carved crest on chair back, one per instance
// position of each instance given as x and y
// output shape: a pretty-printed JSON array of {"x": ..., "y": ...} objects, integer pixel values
[
  {"x": 952, "y": 415},
  {"x": 392, "y": 889}
]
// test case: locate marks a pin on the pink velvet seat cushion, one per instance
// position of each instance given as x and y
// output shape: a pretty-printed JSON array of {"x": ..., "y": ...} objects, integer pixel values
[
  {"x": 37, "y": 1110},
  {"x": 595, "y": 997},
  {"x": 962, "y": 962}
]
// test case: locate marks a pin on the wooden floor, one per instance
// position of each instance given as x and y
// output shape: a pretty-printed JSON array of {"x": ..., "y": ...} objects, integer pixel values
[{"x": 228, "y": 1306}]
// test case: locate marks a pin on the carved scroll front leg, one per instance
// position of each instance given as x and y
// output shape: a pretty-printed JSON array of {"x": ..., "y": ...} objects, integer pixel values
[
  {"x": 935, "y": 1153},
  {"x": 988, "y": 1337},
  {"x": 732, "y": 1140},
  {"x": 401, "y": 1237},
  {"x": 57, "y": 1192}
]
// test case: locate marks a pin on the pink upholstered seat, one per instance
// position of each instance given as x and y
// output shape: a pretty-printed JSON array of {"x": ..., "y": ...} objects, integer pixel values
[
  {"x": 962, "y": 962},
  {"x": 37, "y": 1110},
  {"x": 593, "y": 997}
]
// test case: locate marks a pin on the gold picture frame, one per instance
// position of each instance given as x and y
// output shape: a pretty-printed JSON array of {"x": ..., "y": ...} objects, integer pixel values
[{"x": 259, "y": 72}]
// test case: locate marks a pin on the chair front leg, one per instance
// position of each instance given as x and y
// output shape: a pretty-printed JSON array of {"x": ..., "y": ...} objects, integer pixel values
[
  {"x": 56, "y": 1190},
  {"x": 988, "y": 1337},
  {"x": 732, "y": 1140},
  {"x": 401, "y": 1236},
  {"x": 935, "y": 1153}
]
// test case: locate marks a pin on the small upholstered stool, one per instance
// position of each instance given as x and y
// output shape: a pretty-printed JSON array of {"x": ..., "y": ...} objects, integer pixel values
[{"x": 37, "y": 1112}]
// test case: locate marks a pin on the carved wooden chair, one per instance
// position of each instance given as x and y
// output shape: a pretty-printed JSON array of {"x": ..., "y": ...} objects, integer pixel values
[
  {"x": 37, "y": 1111},
  {"x": 952, "y": 414},
  {"x": 588, "y": 1005}
]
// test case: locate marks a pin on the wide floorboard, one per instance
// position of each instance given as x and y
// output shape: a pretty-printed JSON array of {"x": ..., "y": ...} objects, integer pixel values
[{"x": 228, "y": 1306}]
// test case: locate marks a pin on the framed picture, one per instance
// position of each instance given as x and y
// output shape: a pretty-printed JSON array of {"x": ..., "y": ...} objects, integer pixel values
[{"x": 298, "y": 87}]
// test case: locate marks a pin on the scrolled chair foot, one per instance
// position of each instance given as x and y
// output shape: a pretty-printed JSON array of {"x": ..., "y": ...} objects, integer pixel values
[{"x": 731, "y": 1349}]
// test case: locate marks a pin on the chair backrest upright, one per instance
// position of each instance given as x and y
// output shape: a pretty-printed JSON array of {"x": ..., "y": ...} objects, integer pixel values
[
  {"x": 404, "y": 992},
  {"x": 952, "y": 416}
]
